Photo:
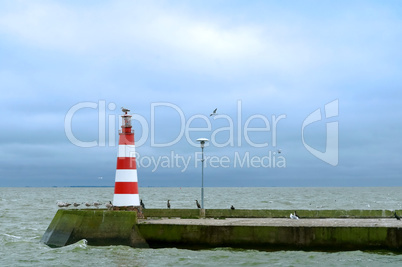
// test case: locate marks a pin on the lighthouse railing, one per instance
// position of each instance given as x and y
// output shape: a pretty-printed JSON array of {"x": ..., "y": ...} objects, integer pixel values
[{"x": 121, "y": 131}]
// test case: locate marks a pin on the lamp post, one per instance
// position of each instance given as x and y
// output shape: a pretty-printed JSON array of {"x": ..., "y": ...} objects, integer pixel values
[{"x": 202, "y": 142}]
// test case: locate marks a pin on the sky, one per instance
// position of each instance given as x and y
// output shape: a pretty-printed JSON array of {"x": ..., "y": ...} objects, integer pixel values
[{"x": 308, "y": 93}]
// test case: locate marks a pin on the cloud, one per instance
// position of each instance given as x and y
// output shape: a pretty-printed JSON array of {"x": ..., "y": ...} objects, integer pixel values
[
  {"x": 163, "y": 37},
  {"x": 130, "y": 25},
  {"x": 173, "y": 39}
]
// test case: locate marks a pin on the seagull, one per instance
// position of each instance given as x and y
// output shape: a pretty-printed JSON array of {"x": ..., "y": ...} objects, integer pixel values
[
  {"x": 125, "y": 110},
  {"x": 142, "y": 204},
  {"x": 109, "y": 205},
  {"x": 76, "y": 204},
  {"x": 168, "y": 204},
  {"x": 396, "y": 216},
  {"x": 213, "y": 112},
  {"x": 232, "y": 207},
  {"x": 294, "y": 217},
  {"x": 97, "y": 204},
  {"x": 198, "y": 204},
  {"x": 87, "y": 204},
  {"x": 67, "y": 204},
  {"x": 61, "y": 204}
]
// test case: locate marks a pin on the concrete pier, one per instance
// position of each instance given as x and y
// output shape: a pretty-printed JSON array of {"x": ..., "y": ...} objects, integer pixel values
[
  {"x": 257, "y": 229},
  {"x": 274, "y": 233}
]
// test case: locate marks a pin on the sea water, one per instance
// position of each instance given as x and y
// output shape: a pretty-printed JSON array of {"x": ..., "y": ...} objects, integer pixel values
[{"x": 25, "y": 214}]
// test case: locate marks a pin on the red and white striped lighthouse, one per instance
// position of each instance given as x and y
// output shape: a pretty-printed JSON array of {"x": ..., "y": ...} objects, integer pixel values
[{"x": 126, "y": 182}]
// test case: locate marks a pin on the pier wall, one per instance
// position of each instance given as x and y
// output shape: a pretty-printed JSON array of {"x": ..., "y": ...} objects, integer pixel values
[
  {"x": 98, "y": 227},
  {"x": 271, "y": 237},
  {"x": 104, "y": 227}
]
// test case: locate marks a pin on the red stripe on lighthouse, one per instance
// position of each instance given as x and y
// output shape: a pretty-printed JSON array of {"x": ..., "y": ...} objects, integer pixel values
[
  {"x": 126, "y": 188},
  {"x": 126, "y": 139},
  {"x": 126, "y": 163}
]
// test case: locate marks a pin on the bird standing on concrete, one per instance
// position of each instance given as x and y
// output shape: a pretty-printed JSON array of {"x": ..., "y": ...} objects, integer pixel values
[
  {"x": 168, "y": 204},
  {"x": 213, "y": 112},
  {"x": 142, "y": 204},
  {"x": 97, "y": 204},
  {"x": 76, "y": 204},
  {"x": 198, "y": 204},
  {"x": 61, "y": 204},
  {"x": 87, "y": 204},
  {"x": 396, "y": 216},
  {"x": 232, "y": 207},
  {"x": 294, "y": 217},
  {"x": 109, "y": 205}
]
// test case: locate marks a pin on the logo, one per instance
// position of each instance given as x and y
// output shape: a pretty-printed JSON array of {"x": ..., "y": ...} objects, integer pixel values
[
  {"x": 330, "y": 155},
  {"x": 240, "y": 141}
]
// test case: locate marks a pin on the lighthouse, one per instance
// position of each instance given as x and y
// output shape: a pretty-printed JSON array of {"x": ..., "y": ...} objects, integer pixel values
[{"x": 126, "y": 182}]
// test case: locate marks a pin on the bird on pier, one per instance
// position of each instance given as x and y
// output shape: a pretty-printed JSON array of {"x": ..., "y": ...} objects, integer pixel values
[
  {"x": 67, "y": 204},
  {"x": 198, "y": 204},
  {"x": 213, "y": 112},
  {"x": 396, "y": 216},
  {"x": 142, "y": 204},
  {"x": 61, "y": 204},
  {"x": 232, "y": 207},
  {"x": 75, "y": 204},
  {"x": 87, "y": 204},
  {"x": 109, "y": 205},
  {"x": 294, "y": 217},
  {"x": 97, "y": 204},
  {"x": 168, "y": 204}
]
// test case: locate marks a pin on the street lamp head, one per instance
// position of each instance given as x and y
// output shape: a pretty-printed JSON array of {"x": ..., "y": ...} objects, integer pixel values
[{"x": 202, "y": 141}]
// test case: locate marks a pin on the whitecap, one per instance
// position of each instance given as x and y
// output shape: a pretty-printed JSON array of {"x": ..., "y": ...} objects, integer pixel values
[{"x": 12, "y": 236}]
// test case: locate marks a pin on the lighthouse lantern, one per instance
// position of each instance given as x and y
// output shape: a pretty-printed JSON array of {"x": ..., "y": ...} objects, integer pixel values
[{"x": 126, "y": 121}]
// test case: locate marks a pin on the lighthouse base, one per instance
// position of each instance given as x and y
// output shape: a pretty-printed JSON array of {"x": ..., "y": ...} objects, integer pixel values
[
  {"x": 98, "y": 227},
  {"x": 137, "y": 209}
]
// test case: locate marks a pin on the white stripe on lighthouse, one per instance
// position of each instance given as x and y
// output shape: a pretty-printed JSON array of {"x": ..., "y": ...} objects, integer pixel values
[
  {"x": 127, "y": 151},
  {"x": 126, "y": 176},
  {"x": 126, "y": 200}
]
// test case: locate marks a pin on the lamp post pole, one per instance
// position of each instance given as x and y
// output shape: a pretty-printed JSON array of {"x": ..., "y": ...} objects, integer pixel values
[
  {"x": 202, "y": 176},
  {"x": 202, "y": 142}
]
